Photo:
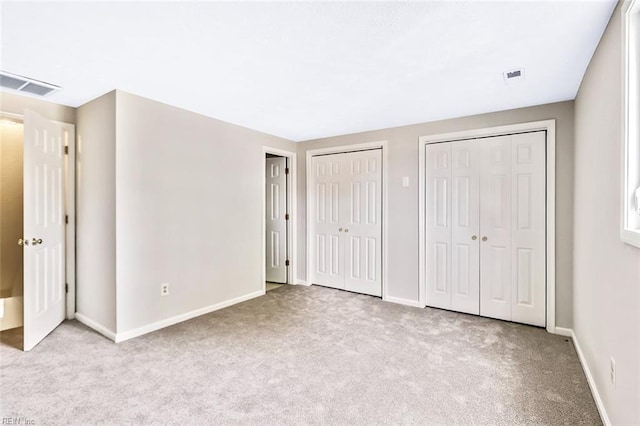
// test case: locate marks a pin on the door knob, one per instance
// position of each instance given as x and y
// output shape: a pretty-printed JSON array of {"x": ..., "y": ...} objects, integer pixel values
[
  {"x": 35, "y": 242},
  {"x": 339, "y": 229},
  {"x": 474, "y": 238},
  {"x": 22, "y": 242},
  {"x": 484, "y": 238},
  {"x": 346, "y": 229}
]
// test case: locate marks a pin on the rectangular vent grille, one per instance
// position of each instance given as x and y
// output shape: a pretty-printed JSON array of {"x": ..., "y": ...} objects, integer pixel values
[
  {"x": 512, "y": 76},
  {"x": 26, "y": 85}
]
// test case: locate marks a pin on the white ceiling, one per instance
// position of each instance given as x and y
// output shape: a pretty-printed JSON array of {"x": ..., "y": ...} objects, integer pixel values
[{"x": 304, "y": 70}]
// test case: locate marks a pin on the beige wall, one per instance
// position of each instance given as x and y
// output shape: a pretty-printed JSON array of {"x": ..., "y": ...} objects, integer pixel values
[
  {"x": 606, "y": 271},
  {"x": 403, "y": 202},
  {"x": 96, "y": 211},
  {"x": 184, "y": 195}
]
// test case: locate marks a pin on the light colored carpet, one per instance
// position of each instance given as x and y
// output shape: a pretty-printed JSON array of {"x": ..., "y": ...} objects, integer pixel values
[
  {"x": 303, "y": 355},
  {"x": 273, "y": 286}
]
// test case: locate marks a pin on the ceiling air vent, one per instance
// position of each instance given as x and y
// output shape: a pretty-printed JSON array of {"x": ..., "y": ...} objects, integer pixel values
[
  {"x": 513, "y": 75},
  {"x": 26, "y": 85}
]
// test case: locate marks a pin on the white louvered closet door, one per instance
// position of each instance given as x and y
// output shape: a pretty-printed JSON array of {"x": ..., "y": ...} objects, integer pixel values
[{"x": 347, "y": 221}]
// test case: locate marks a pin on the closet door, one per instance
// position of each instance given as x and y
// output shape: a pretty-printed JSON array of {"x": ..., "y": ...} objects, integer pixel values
[
  {"x": 465, "y": 244},
  {"x": 512, "y": 221},
  {"x": 495, "y": 227},
  {"x": 528, "y": 240},
  {"x": 362, "y": 219},
  {"x": 438, "y": 226},
  {"x": 328, "y": 262}
]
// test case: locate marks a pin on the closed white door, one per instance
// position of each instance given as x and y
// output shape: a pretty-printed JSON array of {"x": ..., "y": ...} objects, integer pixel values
[
  {"x": 362, "y": 231},
  {"x": 347, "y": 221},
  {"x": 438, "y": 226},
  {"x": 44, "y": 247},
  {"x": 328, "y": 261},
  {"x": 276, "y": 220},
  {"x": 485, "y": 224},
  {"x": 465, "y": 226},
  {"x": 495, "y": 227},
  {"x": 452, "y": 226},
  {"x": 528, "y": 224}
]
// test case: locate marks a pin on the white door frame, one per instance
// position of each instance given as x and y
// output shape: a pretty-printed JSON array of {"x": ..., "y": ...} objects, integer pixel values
[
  {"x": 292, "y": 207},
  {"x": 70, "y": 210},
  {"x": 550, "y": 127},
  {"x": 311, "y": 197}
]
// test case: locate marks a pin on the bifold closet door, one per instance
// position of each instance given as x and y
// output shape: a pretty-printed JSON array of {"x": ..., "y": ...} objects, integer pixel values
[
  {"x": 485, "y": 225},
  {"x": 452, "y": 226},
  {"x": 512, "y": 225},
  {"x": 347, "y": 221}
]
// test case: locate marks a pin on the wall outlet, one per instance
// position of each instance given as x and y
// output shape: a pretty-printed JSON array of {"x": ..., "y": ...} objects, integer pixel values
[
  {"x": 164, "y": 289},
  {"x": 612, "y": 372}
]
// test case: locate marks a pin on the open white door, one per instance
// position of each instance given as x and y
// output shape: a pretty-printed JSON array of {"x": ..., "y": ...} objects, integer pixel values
[
  {"x": 276, "y": 223},
  {"x": 44, "y": 228}
]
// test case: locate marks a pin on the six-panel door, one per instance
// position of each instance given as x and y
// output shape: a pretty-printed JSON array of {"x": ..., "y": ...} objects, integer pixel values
[
  {"x": 44, "y": 226},
  {"x": 276, "y": 224},
  {"x": 347, "y": 220},
  {"x": 485, "y": 223}
]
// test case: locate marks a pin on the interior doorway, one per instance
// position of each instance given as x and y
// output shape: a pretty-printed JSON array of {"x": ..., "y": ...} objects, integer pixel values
[
  {"x": 11, "y": 226},
  {"x": 279, "y": 228},
  {"x": 37, "y": 227}
]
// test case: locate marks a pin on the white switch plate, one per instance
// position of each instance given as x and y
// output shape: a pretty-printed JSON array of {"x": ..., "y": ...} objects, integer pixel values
[{"x": 405, "y": 182}]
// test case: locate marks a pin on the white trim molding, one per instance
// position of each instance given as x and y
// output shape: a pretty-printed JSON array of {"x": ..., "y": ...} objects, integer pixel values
[
  {"x": 630, "y": 219},
  {"x": 592, "y": 383},
  {"x": 106, "y": 332},
  {"x": 121, "y": 337},
  {"x": 292, "y": 223},
  {"x": 406, "y": 302},
  {"x": 385, "y": 197},
  {"x": 550, "y": 127}
]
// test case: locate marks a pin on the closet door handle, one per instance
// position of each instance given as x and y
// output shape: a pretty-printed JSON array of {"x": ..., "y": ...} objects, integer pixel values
[
  {"x": 346, "y": 230},
  {"x": 339, "y": 229},
  {"x": 484, "y": 238},
  {"x": 474, "y": 238}
]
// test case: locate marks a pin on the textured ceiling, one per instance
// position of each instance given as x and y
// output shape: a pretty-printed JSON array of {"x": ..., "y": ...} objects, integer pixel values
[{"x": 304, "y": 70}]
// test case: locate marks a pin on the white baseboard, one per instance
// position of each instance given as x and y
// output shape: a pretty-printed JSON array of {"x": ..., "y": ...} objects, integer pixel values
[
  {"x": 302, "y": 282},
  {"x": 587, "y": 373},
  {"x": 401, "y": 301},
  {"x": 121, "y": 337},
  {"x": 109, "y": 334},
  {"x": 561, "y": 331}
]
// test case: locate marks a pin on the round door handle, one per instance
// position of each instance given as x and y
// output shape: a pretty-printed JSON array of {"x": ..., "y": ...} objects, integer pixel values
[
  {"x": 484, "y": 238},
  {"x": 35, "y": 242},
  {"x": 346, "y": 230},
  {"x": 339, "y": 229},
  {"x": 474, "y": 238},
  {"x": 22, "y": 242}
]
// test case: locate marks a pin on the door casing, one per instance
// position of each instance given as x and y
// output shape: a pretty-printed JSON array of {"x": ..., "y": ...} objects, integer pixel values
[
  {"x": 546, "y": 125},
  {"x": 292, "y": 208},
  {"x": 310, "y": 252}
]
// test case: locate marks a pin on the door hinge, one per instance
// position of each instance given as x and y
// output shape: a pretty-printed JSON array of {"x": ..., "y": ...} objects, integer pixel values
[
  {"x": 286, "y": 216},
  {"x": 286, "y": 170},
  {"x": 286, "y": 263},
  {"x": 66, "y": 288},
  {"x": 66, "y": 149},
  {"x": 66, "y": 218}
]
